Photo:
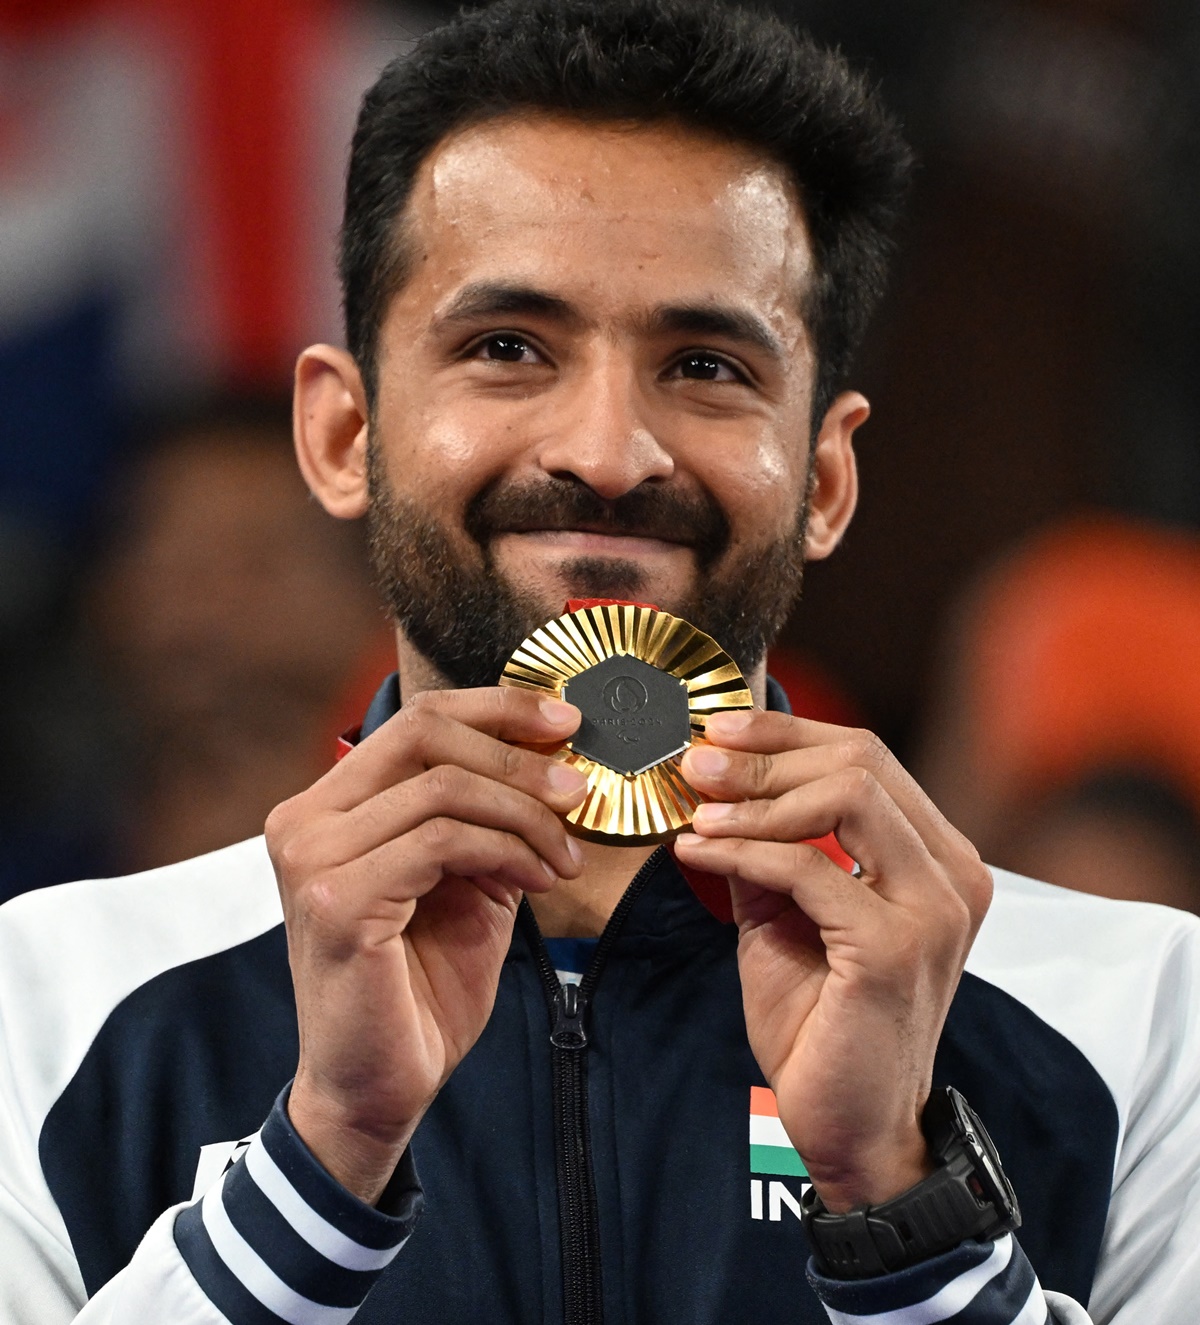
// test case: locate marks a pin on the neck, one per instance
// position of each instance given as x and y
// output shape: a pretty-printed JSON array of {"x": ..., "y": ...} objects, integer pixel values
[
  {"x": 417, "y": 673},
  {"x": 580, "y": 908}
]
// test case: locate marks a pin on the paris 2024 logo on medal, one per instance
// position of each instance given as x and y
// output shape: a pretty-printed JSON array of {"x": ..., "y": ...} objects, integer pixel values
[{"x": 626, "y": 694}]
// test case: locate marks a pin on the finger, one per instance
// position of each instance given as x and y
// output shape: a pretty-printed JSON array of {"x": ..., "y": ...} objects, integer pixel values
[
  {"x": 831, "y": 898},
  {"x": 451, "y": 791},
  {"x": 373, "y": 897},
  {"x": 446, "y": 847},
  {"x": 935, "y": 928},
  {"x": 850, "y": 803},
  {"x": 769, "y": 753},
  {"x": 430, "y": 733}
]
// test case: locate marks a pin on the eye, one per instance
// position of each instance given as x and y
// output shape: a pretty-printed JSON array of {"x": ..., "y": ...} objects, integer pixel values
[
  {"x": 702, "y": 366},
  {"x": 507, "y": 347}
]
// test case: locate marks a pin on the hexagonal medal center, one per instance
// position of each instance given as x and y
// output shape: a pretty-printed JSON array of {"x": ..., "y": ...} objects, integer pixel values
[{"x": 634, "y": 715}]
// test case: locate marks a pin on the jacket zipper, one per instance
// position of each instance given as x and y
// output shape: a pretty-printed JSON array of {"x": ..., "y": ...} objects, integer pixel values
[{"x": 579, "y": 1221}]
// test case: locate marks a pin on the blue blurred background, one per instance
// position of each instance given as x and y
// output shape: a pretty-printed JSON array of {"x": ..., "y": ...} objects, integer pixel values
[{"x": 182, "y": 634}]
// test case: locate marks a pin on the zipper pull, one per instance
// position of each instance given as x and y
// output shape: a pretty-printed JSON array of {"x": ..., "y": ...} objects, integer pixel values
[{"x": 569, "y": 1009}]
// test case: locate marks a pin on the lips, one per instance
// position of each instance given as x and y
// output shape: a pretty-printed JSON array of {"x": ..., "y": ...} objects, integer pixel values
[{"x": 601, "y": 531}]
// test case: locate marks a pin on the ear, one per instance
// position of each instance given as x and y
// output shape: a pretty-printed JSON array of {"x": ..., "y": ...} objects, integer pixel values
[
  {"x": 329, "y": 424},
  {"x": 835, "y": 475}
]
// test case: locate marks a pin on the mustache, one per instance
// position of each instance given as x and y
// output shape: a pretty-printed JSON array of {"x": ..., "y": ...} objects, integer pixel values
[{"x": 694, "y": 519}]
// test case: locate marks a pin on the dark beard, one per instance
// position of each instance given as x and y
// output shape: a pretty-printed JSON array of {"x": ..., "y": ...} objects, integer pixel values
[{"x": 468, "y": 619}]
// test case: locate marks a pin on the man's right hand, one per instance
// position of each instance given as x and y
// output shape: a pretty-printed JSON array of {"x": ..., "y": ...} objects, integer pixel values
[{"x": 401, "y": 871}]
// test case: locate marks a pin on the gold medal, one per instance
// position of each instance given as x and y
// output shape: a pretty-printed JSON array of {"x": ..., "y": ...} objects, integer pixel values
[{"x": 646, "y": 683}]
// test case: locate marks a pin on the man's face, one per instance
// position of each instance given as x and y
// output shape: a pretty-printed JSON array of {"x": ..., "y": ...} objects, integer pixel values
[{"x": 596, "y": 382}]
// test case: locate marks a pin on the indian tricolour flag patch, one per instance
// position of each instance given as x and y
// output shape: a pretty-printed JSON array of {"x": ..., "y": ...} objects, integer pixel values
[{"x": 770, "y": 1149}]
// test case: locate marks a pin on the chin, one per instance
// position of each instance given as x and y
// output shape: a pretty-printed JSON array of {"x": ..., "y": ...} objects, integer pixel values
[{"x": 590, "y": 577}]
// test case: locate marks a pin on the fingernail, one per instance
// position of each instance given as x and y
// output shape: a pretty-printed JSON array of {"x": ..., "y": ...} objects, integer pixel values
[
  {"x": 712, "y": 812},
  {"x": 687, "y": 840},
  {"x": 575, "y": 849},
  {"x": 558, "y": 713},
  {"x": 567, "y": 781},
  {"x": 711, "y": 763},
  {"x": 550, "y": 874},
  {"x": 725, "y": 724}
]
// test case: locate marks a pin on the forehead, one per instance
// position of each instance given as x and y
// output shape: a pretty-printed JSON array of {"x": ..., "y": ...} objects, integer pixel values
[{"x": 608, "y": 213}]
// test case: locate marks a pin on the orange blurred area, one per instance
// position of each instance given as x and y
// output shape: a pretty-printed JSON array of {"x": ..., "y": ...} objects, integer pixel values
[
  {"x": 1066, "y": 743},
  {"x": 1088, "y": 654}
]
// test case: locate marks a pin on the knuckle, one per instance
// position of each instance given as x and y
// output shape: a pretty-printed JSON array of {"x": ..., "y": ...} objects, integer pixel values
[
  {"x": 321, "y": 906},
  {"x": 407, "y": 725},
  {"x": 512, "y": 762},
  {"x": 418, "y": 713},
  {"x": 763, "y": 767},
  {"x": 503, "y": 699},
  {"x": 806, "y": 857},
  {"x": 864, "y": 749},
  {"x": 436, "y": 835},
  {"x": 951, "y": 919},
  {"x": 290, "y": 856},
  {"x": 417, "y": 728},
  {"x": 858, "y": 784},
  {"x": 978, "y": 884},
  {"x": 446, "y": 783},
  {"x": 753, "y": 814},
  {"x": 755, "y": 769},
  {"x": 424, "y": 701},
  {"x": 278, "y": 826},
  {"x": 959, "y": 917}
]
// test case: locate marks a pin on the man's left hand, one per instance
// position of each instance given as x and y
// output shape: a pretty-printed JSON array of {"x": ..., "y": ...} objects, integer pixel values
[{"x": 846, "y": 980}]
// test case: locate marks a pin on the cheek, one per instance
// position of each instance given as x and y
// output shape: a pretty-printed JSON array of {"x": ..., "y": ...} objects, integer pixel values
[
  {"x": 761, "y": 494},
  {"x": 775, "y": 468},
  {"x": 440, "y": 455}
]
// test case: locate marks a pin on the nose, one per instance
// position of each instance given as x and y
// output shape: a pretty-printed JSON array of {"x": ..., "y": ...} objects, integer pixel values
[{"x": 604, "y": 437}]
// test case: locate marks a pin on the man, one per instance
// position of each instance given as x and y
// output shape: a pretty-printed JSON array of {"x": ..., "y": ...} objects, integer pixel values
[{"x": 603, "y": 270}]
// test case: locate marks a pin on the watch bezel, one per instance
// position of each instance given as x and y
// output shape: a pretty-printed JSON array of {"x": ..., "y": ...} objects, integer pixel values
[{"x": 948, "y": 1120}]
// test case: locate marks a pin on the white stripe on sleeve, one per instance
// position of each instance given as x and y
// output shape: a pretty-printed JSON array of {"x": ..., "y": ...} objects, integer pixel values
[
  {"x": 253, "y": 1273},
  {"x": 317, "y": 1231},
  {"x": 949, "y": 1301}
]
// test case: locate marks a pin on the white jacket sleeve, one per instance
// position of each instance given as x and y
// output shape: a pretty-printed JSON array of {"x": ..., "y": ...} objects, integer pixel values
[
  {"x": 1150, "y": 1261},
  {"x": 155, "y": 1285},
  {"x": 275, "y": 1239}
]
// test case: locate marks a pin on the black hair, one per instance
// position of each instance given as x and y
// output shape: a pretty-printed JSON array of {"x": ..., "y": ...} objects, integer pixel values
[{"x": 742, "y": 75}]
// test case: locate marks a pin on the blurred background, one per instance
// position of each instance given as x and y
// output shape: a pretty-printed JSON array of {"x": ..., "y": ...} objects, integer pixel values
[{"x": 1016, "y": 609}]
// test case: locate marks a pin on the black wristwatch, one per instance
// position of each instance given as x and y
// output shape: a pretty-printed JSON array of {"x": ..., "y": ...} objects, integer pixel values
[{"x": 967, "y": 1196}]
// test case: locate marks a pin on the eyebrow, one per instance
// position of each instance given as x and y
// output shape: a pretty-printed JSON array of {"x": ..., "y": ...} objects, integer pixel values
[
  {"x": 717, "y": 320},
  {"x": 494, "y": 299},
  {"x": 485, "y": 299}
]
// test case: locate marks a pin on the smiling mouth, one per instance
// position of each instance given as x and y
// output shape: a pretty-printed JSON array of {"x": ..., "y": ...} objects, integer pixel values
[
  {"x": 599, "y": 540},
  {"x": 598, "y": 528}
]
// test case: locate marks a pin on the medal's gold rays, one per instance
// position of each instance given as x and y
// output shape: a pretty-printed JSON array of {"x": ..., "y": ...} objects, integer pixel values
[{"x": 654, "y": 805}]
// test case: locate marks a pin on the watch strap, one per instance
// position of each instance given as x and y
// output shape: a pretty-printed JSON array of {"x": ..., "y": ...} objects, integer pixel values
[{"x": 937, "y": 1214}]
